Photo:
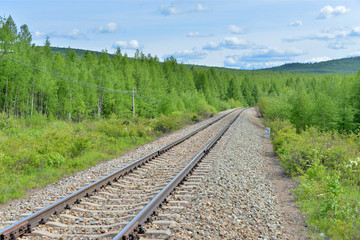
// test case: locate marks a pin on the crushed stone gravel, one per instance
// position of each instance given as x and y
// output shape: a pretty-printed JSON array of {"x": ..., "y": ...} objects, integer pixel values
[
  {"x": 237, "y": 200},
  {"x": 15, "y": 210}
]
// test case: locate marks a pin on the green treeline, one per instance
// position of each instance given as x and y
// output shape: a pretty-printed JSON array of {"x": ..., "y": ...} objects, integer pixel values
[
  {"x": 62, "y": 113},
  {"x": 95, "y": 87},
  {"x": 315, "y": 122},
  {"x": 327, "y": 102}
]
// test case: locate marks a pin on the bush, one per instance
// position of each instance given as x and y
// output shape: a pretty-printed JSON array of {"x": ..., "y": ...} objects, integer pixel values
[
  {"x": 327, "y": 165},
  {"x": 54, "y": 160},
  {"x": 275, "y": 108}
]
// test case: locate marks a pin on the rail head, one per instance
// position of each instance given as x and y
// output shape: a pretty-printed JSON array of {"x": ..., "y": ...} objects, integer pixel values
[
  {"x": 26, "y": 224},
  {"x": 136, "y": 223}
]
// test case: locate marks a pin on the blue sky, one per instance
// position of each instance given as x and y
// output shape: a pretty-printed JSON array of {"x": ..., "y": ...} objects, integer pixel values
[{"x": 225, "y": 33}]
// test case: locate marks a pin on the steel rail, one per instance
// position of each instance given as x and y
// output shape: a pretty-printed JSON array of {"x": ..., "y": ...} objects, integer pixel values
[
  {"x": 135, "y": 225},
  {"x": 26, "y": 224}
]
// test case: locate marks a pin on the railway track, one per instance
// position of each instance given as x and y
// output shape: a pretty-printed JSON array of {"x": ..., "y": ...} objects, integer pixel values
[{"x": 118, "y": 205}]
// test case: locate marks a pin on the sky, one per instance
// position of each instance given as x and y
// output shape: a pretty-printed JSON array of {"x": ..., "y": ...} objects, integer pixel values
[{"x": 225, "y": 33}]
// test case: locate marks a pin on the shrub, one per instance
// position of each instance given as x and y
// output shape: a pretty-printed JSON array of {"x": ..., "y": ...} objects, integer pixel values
[
  {"x": 54, "y": 160},
  {"x": 275, "y": 108},
  {"x": 327, "y": 166}
]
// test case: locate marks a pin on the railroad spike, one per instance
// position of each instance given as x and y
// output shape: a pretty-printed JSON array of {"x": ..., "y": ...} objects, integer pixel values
[
  {"x": 141, "y": 230},
  {"x": 29, "y": 229}
]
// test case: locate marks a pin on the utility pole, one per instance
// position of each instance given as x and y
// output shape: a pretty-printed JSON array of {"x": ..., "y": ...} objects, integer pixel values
[
  {"x": 4, "y": 48},
  {"x": 133, "y": 95}
]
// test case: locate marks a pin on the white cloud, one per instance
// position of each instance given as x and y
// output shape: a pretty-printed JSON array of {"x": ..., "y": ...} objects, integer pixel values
[
  {"x": 318, "y": 59},
  {"x": 212, "y": 46},
  {"x": 338, "y": 44},
  {"x": 332, "y": 34},
  {"x": 186, "y": 55},
  {"x": 200, "y": 8},
  {"x": 272, "y": 54},
  {"x": 234, "y": 43},
  {"x": 236, "y": 30},
  {"x": 231, "y": 61},
  {"x": 296, "y": 23},
  {"x": 328, "y": 11},
  {"x": 168, "y": 9},
  {"x": 261, "y": 58},
  {"x": 133, "y": 44},
  {"x": 108, "y": 28},
  {"x": 193, "y": 34},
  {"x": 197, "y": 34},
  {"x": 39, "y": 34},
  {"x": 74, "y": 34},
  {"x": 234, "y": 62},
  {"x": 173, "y": 9},
  {"x": 355, "y": 54},
  {"x": 228, "y": 43},
  {"x": 355, "y": 32}
]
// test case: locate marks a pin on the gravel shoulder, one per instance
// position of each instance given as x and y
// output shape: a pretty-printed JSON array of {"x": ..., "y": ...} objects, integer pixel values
[
  {"x": 247, "y": 195},
  {"x": 294, "y": 222}
]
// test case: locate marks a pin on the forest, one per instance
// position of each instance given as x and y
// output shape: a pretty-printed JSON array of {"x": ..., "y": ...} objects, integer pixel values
[
  {"x": 344, "y": 65},
  {"x": 61, "y": 113},
  {"x": 93, "y": 87}
]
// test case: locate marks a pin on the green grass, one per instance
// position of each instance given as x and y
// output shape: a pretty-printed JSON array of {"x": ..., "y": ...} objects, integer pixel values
[
  {"x": 35, "y": 152},
  {"x": 327, "y": 168}
]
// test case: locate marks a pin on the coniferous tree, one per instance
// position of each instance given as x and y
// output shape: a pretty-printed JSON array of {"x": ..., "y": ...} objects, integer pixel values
[{"x": 301, "y": 111}]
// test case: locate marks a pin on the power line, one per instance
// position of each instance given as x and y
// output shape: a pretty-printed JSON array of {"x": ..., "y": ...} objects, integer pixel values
[
  {"x": 149, "y": 99},
  {"x": 72, "y": 81},
  {"x": 4, "y": 49},
  {"x": 81, "y": 83}
]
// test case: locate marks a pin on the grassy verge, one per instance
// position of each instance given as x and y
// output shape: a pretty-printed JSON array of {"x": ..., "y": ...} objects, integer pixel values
[
  {"x": 38, "y": 151},
  {"x": 327, "y": 167}
]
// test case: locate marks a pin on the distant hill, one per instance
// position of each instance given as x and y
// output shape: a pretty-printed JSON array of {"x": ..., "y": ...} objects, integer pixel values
[
  {"x": 79, "y": 52},
  {"x": 344, "y": 65}
]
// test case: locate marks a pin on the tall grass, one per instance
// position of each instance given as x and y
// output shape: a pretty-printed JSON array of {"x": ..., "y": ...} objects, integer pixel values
[{"x": 38, "y": 151}]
